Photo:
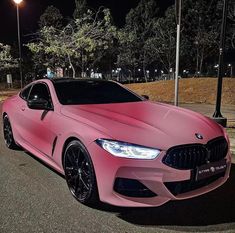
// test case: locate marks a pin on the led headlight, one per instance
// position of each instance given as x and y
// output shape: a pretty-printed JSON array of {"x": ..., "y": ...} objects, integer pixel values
[{"x": 127, "y": 150}]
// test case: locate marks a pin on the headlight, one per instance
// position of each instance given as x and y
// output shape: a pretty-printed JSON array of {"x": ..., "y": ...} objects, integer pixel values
[{"x": 126, "y": 150}]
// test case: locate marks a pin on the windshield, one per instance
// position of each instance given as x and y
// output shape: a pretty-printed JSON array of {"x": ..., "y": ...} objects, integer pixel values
[{"x": 92, "y": 92}]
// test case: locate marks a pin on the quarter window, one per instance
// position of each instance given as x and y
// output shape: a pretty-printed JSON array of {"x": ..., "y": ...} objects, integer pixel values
[{"x": 25, "y": 93}]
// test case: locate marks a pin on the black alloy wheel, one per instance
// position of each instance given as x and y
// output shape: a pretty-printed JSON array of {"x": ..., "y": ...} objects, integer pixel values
[
  {"x": 80, "y": 174},
  {"x": 8, "y": 134}
]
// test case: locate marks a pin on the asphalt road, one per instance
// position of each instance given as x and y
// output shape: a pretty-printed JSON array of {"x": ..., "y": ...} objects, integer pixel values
[{"x": 33, "y": 198}]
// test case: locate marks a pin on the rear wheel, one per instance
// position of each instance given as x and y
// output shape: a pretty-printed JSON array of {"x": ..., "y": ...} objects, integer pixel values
[
  {"x": 80, "y": 174},
  {"x": 8, "y": 134}
]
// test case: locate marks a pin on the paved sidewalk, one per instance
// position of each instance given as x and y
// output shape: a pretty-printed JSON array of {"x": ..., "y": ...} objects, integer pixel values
[
  {"x": 227, "y": 111},
  {"x": 208, "y": 110}
]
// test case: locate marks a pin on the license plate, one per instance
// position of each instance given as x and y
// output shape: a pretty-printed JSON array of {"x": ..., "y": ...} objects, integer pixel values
[{"x": 210, "y": 169}]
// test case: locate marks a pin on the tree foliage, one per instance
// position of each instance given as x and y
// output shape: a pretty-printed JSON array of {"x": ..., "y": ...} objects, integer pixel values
[
  {"x": 51, "y": 18},
  {"x": 231, "y": 23},
  {"x": 6, "y": 60},
  {"x": 138, "y": 28},
  {"x": 162, "y": 44},
  {"x": 80, "y": 9},
  {"x": 81, "y": 42},
  {"x": 201, "y": 30},
  {"x": 146, "y": 41}
]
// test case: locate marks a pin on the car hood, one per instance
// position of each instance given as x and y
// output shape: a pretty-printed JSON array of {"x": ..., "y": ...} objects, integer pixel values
[{"x": 146, "y": 123}]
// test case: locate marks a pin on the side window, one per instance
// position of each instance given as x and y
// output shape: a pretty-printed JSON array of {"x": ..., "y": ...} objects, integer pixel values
[
  {"x": 40, "y": 91},
  {"x": 25, "y": 93}
]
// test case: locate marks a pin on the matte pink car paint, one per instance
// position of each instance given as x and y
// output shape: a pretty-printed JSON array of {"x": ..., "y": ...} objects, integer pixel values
[{"x": 145, "y": 123}]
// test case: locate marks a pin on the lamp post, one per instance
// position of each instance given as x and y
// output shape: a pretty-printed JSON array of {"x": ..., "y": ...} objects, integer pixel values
[
  {"x": 17, "y": 2},
  {"x": 217, "y": 116},
  {"x": 155, "y": 74},
  {"x": 178, "y": 4},
  {"x": 231, "y": 70}
]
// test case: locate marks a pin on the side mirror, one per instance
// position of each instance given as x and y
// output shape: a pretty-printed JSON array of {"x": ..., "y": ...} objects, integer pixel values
[
  {"x": 146, "y": 97},
  {"x": 39, "y": 104}
]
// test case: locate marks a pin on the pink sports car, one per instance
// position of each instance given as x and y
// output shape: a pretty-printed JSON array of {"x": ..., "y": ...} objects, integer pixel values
[{"x": 115, "y": 146}]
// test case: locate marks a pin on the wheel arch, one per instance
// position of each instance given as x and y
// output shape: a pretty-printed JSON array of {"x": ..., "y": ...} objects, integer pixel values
[
  {"x": 67, "y": 141},
  {"x": 94, "y": 196},
  {"x": 4, "y": 114}
]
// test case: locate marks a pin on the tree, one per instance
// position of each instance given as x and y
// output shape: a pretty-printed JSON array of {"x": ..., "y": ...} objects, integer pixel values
[
  {"x": 81, "y": 9},
  {"x": 199, "y": 35},
  {"x": 51, "y": 18},
  {"x": 6, "y": 60},
  {"x": 201, "y": 27},
  {"x": 162, "y": 43},
  {"x": 82, "y": 42},
  {"x": 127, "y": 56},
  {"x": 231, "y": 24},
  {"x": 139, "y": 24}
]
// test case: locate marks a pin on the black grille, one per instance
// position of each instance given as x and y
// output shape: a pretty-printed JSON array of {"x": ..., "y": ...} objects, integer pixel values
[
  {"x": 132, "y": 188},
  {"x": 189, "y": 185},
  {"x": 194, "y": 155}
]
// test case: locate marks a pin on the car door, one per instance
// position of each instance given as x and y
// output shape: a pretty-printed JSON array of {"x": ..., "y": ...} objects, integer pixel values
[
  {"x": 17, "y": 111},
  {"x": 37, "y": 124}
]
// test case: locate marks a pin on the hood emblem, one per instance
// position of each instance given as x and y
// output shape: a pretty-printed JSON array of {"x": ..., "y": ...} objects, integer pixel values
[{"x": 198, "y": 136}]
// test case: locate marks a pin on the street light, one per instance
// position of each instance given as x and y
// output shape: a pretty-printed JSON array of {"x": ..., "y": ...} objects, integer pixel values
[
  {"x": 17, "y": 2},
  {"x": 178, "y": 4},
  {"x": 217, "y": 116}
]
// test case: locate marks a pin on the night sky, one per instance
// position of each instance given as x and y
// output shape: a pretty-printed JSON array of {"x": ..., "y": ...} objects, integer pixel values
[{"x": 30, "y": 11}]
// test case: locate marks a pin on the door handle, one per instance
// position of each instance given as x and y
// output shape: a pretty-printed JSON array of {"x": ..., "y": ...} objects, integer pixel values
[{"x": 23, "y": 108}]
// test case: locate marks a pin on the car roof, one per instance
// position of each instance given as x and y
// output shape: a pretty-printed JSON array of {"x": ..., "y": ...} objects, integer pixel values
[{"x": 65, "y": 80}]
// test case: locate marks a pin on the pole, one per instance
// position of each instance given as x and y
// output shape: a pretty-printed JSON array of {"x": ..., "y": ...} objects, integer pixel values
[
  {"x": 19, "y": 44},
  {"x": 217, "y": 116},
  {"x": 178, "y": 12}
]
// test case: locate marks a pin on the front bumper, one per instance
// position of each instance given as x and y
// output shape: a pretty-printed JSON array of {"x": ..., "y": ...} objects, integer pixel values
[{"x": 153, "y": 174}]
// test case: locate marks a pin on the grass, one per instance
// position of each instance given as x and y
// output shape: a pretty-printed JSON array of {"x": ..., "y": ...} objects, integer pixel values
[
  {"x": 4, "y": 94},
  {"x": 231, "y": 132},
  {"x": 192, "y": 90}
]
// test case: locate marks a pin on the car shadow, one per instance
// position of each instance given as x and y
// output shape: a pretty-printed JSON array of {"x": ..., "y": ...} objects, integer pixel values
[
  {"x": 43, "y": 163},
  {"x": 216, "y": 207}
]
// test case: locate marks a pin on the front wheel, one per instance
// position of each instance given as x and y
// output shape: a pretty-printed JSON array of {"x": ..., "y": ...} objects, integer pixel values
[
  {"x": 80, "y": 174},
  {"x": 8, "y": 134}
]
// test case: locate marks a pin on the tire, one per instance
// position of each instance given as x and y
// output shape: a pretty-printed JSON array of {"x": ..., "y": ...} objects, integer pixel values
[
  {"x": 80, "y": 174},
  {"x": 8, "y": 134}
]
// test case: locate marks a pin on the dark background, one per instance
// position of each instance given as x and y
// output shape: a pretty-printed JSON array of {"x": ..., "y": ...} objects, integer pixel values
[{"x": 30, "y": 11}]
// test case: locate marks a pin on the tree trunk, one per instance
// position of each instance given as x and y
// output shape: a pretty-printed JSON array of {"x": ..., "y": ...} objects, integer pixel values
[
  {"x": 134, "y": 74},
  {"x": 144, "y": 70},
  {"x": 197, "y": 65},
  {"x": 201, "y": 62},
  {"x": 70, "y": 63}
]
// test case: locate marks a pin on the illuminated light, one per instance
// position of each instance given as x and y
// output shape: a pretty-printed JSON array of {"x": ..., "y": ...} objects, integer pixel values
[
  {"x": 18, "y": 1},
  {"x": 126, "y": 150}
]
